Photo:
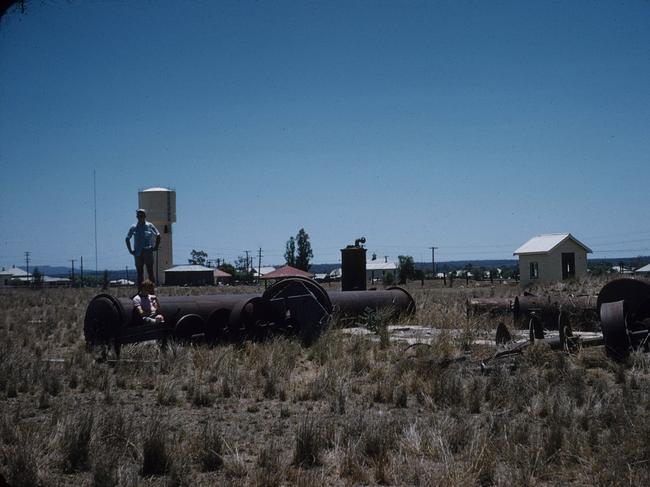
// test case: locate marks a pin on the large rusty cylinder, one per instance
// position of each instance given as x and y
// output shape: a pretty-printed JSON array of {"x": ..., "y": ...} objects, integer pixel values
[
  {"x": 355, "y": 303},
  {"x": 111, "y": 319},
  {"x": 493, "y": 306}
]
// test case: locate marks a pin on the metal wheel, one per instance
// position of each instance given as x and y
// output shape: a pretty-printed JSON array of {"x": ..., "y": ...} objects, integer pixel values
[
  {"x": 103, "y": 321},
  {"x": 615, "y": 334},
  {"x": 302, "y": 306},
  {"x": 189, "y": 326}
]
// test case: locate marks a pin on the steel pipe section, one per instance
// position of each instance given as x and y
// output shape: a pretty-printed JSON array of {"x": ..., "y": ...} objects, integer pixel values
[
  {"x": 355, "y": 303},
  {"x": 292, "y": 306},
  {"x": 114, "y": 320}
]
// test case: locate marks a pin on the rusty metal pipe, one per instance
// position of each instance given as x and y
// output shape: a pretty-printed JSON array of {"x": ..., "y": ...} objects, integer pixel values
[
  {"x": 355, "y": 303},
  {"x": 295, "y": 306}
]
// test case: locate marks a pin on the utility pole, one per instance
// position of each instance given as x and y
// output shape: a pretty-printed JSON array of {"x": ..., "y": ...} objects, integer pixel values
[
  {"x": 127, "y": 273},
  {"x": 81, "y": 270},
  {"x": 27, "y": 261},
  {"x": 72, "y": 278},
  {"x": 433, "y": 261},
  {"x": 95, "y": 205},
  {"x": 259, "y": 265}
]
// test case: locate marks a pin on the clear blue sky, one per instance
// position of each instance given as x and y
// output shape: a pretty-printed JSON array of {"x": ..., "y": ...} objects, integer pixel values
[{"x": 469, "y": 125}]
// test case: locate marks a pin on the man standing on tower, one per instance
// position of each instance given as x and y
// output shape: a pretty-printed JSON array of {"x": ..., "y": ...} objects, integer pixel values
[{"x": 146, "y": 240}]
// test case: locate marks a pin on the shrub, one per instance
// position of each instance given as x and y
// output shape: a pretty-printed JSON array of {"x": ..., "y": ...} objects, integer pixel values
[
  {"x": 210, "y": 449},
  {"x": 155, "y": 458},
  {"x": 75, "y": 442},
  {"x": 309, "y": 443}
]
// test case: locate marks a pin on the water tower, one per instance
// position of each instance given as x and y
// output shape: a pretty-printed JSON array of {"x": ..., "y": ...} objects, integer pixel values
[{"x": 160, "y": 205}]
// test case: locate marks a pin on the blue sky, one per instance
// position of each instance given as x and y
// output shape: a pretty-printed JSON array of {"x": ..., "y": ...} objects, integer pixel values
[{"x": 469, "y": 125}]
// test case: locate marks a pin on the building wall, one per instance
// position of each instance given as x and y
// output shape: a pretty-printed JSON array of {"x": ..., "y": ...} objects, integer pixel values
[
  {"x": 190, "y": 278},
  {"x": 550, "y": 265}
]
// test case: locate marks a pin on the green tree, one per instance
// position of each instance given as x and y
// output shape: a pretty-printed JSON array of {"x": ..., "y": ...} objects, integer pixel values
[
  {"x": 290, "y": 252},
  {"x": 405, "y": 268},
  {"x": 304, "y": 250},
  {"x": 198, "y": 257},
  {"x": 244, "y": 272},
  {"x": 229, "y": 268}
]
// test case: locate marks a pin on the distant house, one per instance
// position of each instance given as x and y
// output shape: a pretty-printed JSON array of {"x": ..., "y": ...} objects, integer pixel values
[
  {"x": 335, "y": 274},
  {"x": 376, "y": 269},
  {"x": 643, "y": 270},
  {"x": 221, "y": 276},
  {"x": 14, "y": 275},
  {"x": 287, "y": 271},
  {"x": 5, "y": 278},
  {"x": 262, "y": 271},
  {"x": 189, "y": 275},
  {"x": 552, "y": 257}
]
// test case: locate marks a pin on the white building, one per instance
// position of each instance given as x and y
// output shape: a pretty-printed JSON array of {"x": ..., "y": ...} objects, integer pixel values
[
  {"x": 552, "y": 257},
  {"x": 377, "y": 269}
]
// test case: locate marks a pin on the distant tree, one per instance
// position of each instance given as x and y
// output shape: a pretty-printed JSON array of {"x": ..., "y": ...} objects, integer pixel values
[
  {"x": 37, "y": 278},
  {"x": 7, "y": 4},
  {"x": 105, "y": 280},
  {"x": 244, "y": 272},
  {"x": 229, "y": 268},
  {"x": 389, "y": 279},
  {"x": 198, "y": 257},
  {"x": 304, "y": 250},
  {"x": 290, "y": 252},
  {"x": 405, "y": 268}
]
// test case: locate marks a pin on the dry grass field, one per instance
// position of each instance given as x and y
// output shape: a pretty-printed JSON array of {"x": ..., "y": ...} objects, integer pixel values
[{"x": 346, "y": 411}]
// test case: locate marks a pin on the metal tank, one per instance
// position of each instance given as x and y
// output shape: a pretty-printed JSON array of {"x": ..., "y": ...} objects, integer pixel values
[{"x": 353, "y": 266}]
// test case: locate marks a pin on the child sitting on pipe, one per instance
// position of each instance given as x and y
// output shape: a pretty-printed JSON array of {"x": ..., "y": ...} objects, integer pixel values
[{"x": 146, "y": 303}]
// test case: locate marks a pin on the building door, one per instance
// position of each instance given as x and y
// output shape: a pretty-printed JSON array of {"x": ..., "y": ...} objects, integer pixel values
[{"x": 568, "y": 265}]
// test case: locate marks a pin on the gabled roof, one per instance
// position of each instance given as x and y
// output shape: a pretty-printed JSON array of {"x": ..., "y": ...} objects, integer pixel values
[
  {"x": 376, "y": 265},
  {"x": 264, "y": 270},
  {"x": 220, "y": 273},
  {"x": 543, "y": 244},
  {"x": 286, "y": 271},
  {"x": 189, "y": 268},
  {"x": 645, "y": 268},
  {"x": 16, "y": 272}
]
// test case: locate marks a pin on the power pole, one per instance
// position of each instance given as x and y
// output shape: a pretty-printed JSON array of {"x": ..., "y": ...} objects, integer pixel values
[
  {"x": 72, "y": 278},
  {"x": 259, "y": 265},
  {"x": 27, "y": 261},
  {"x": 433, "y": 261},
  {"x": 127, "y": 273},
  {"x": 81, "y": 270}
]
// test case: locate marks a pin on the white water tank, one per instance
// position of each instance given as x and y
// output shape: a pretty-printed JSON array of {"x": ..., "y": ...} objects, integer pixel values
[{"x": 160, "y": 205}]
